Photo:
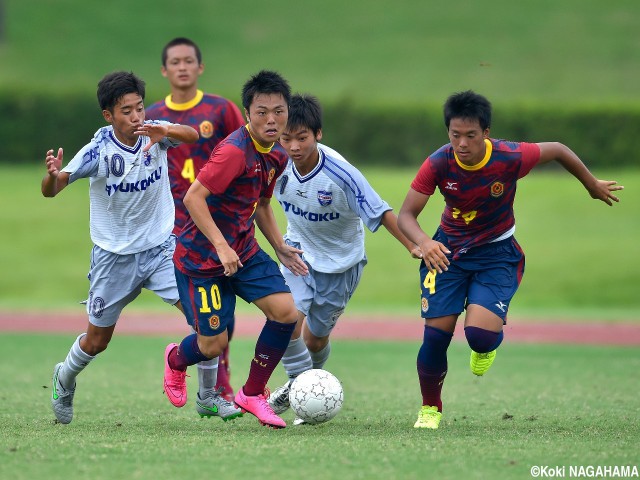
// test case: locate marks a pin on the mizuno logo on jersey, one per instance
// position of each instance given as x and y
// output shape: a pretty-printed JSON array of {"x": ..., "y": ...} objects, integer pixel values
[
  {"x": 501, "y": 306},
  {"x": 138, "y": 186},
  {"x": 451, "y": 186},
  {"x": 302, "y": 194},
  {"x": 311, "y": 216},
  {"x": 325, "y": 198}
]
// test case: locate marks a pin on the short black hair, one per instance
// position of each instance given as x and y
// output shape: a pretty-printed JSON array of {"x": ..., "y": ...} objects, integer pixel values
[
  {"x": 181, "y": 41},
  {"x": 265, "y": 81},
  {"x": 468, "y": 105},
  {"x": 116, "y": 85},
  {"x": 304, "y": 112}
]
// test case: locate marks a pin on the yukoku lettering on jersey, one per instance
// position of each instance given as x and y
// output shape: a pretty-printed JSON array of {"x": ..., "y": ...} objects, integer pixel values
[
  {"x": 214, "y": 118},
  {"x": 238, "y": 173},
  {"x": 131, "y": 208},
  {"x": 478, "y": 199},
  {"x": 326, "y": 210}
]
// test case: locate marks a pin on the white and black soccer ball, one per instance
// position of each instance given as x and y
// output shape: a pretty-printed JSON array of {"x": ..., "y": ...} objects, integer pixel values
[{"x": 316, "y": 396}]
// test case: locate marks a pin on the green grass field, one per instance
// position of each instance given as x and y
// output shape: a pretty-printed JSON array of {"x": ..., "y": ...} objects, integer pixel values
[
  {"x": 539, "y": 405},
  {"x": 583, "y": 258},
  {"x": 414, "y": 52}
]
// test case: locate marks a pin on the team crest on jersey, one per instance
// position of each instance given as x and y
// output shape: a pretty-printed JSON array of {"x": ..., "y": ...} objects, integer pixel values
[
  {"x": 497, "y": 189},
  {"x": 325, "y": 198},
  {"x": 425, "y": 305},
  {"x": 214, "y": 322},
  {"x": 272, "y": 173},
  {"x": 147, "y": 158},
  {"x": 206, "y": 129}
]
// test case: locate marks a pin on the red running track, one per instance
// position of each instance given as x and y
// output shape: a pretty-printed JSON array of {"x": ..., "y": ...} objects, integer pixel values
[{"x": 349, "y": 327}]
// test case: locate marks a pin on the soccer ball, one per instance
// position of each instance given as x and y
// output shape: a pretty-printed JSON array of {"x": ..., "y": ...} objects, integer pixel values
[{"x": 316, "y": 396}]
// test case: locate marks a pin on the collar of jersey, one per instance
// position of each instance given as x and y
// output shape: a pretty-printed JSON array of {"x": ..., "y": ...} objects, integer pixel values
[
  {"x": 124, "y": 147},
  {"x": 485, "y": 160},
  {"x": 259, "y": 147},
  {"x": 313, "y": 172},
  {"x": 181, "y": 107}
]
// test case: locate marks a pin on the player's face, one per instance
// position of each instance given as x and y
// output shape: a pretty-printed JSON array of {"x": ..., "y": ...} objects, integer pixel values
[
  {"x": 302, "y": 147},
  {"x": 267, "y": 117},
  {"x": 182, "y": 68},
  {"x": 127, "y": 117},
  {"x": 467, "y": 138}
]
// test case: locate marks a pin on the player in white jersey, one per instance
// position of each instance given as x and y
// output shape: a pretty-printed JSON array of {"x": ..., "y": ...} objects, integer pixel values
[
  {"x": 327, "y": 202},
  {"x": 131, "y": 218}
]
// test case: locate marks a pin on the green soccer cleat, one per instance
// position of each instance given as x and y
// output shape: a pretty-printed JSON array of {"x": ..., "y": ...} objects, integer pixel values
[
  {"x": 217, "y": 406},
  {"x": 428, "y": 417},
  {"x": 279, "y": 399},
  {"x": 62, "y": 398},
  {"x": 480, "y": 362}
]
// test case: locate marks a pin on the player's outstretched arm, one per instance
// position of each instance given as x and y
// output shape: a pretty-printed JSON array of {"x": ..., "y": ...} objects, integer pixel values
[
  {"x": 55, "y": 180},
  {"x": 390, "y": 222},
  {"x": 288, "y": 255},
  {"x": 196, "y": 202},
  {"x": 598, "y": 189},
  {"x": 434, "y": 253},
  {"x": 157, "y": 131}
]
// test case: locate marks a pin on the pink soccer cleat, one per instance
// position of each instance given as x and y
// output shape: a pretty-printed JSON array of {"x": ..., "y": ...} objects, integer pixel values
[
  {"x": 175, "y": 384},
  {"x": 258, "y": 406}
]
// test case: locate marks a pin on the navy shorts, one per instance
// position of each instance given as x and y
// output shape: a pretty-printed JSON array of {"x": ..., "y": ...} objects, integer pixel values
[
  {"x": 210, "y": 303},
  {"x": 488, "y": 275}
]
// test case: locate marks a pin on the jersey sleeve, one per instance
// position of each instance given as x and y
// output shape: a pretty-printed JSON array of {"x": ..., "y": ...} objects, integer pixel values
[
  {"x": 425, "y": 181},
  {"x": 364, "y": 200},
  {"x": 530, "y": 158},
  {"x": 85, "y": 163},
  {"x": 166, "y": 142},
  {"x": 226, "y": 163}
]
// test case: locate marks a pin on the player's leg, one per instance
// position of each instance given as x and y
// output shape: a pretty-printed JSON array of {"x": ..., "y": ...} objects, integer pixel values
[
  {"x": 161, "y": 279},
  {"x": 106, "y": 300},
  {"x": 332, "y": 293},
  {"x": 443, "y": 298},
  {"x": 483, "y": 330},
  {"x": 261, "y": 282},
  {"x": 208, "y": 306},
  {"x": 295, "y": 360},
  {"x": 223, "y": 382},
  {"x": 499, "y": 269}
]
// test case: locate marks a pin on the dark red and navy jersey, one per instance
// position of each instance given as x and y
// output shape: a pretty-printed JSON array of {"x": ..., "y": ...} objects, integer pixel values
[
  {"x": 478, "y": 199},
  {"x": 238, "y": 173},
  {"x": 214, "y": 118}
]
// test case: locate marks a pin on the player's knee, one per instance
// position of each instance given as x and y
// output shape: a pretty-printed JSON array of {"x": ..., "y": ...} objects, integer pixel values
[
  {"x": 94, "y": 345},
  {"x": 481, "y": 340},
  {"x": 315, "y": 344},
  {"x": 211, "y": 347}
]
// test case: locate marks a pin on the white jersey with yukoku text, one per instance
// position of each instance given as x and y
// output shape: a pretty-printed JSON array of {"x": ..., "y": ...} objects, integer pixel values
[
  {"x": 326, "y": 210},
  {"x": 131, "y": 207}
]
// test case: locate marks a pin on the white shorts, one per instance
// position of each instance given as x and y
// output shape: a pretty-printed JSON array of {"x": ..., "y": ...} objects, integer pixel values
[
  {"x": 116, "y": 280},
  {"x": 322, "y": 297}
]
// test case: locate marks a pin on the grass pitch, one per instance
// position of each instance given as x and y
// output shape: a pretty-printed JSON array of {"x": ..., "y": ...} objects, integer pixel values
[{"x": 538, "y": 405}]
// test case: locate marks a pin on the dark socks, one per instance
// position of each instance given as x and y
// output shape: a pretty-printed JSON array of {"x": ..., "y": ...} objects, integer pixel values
[
  {"x": 432, "y": 365},
  {"x": 187, "y": 353},
  {"x": 270, "y": 348}
]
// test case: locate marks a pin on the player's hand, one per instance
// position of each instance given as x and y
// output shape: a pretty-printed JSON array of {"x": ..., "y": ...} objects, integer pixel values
[
  {"x": 291, "y": 258},
  {"x": 229, "y": 260},
  {"x": 154, "y": 131},
  {"x": 434, "y": 255},
  {"x": 416, "y": 252},
  {"x": 53, "y": 163},
  {"x": 602, "y": 190}
]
